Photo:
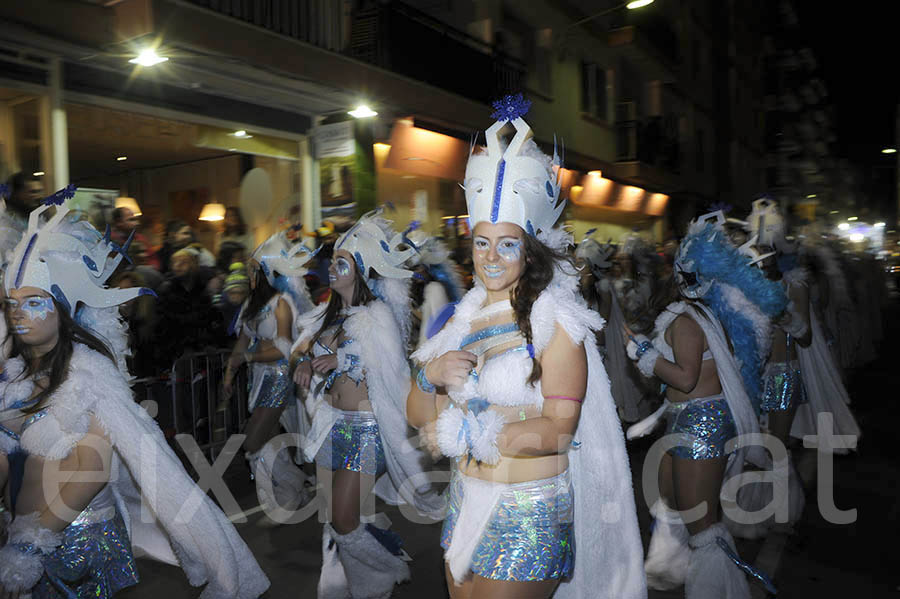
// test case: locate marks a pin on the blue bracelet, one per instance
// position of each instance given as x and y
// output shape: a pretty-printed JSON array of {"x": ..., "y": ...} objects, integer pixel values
[
  {"x": 643, "y": 348},
  {"x": 423, "y": 383}
]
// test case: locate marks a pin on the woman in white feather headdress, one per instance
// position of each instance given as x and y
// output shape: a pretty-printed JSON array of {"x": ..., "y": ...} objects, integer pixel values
[
  {"x": 81, "y": 464},
  {"x": 351, "y": 355},
  {"x": 278, "y": 296},
  {"x": 514, "y": 391},
  {"x": 710, "y": 340}
]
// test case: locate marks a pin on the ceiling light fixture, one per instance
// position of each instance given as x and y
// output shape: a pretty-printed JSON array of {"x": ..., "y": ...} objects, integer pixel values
[
  {"x": 362, "y": 111},
  {"x": 148, "y": 57},
  {"x": 38, "y": 174},
  {"x": 889, "y": 151},
  {"x": 213, "y": 212},
  {"x": 122, "y": 158}
]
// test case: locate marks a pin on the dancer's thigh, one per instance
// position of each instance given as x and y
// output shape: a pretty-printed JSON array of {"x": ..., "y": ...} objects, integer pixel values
[
  {"x": 695, "y": 482},
  {"x": 261, "y": 427}
]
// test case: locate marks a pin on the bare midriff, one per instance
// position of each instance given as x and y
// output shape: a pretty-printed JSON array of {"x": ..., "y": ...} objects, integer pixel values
[{"x": 345, "y": 393}]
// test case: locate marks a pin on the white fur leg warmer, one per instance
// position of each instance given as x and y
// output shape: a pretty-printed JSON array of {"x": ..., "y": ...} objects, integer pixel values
[
  {"x": 332, "y": 580},
  {"x": 371, "y": 570},
  {"x": 711, "y": 573},
  {"x": 20, "y": 560},
  {"x": 669, "y": 552},
  {"x": 279, "y": 482}
]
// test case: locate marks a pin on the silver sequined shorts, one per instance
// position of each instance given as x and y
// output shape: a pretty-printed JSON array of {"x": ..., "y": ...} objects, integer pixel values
[
  {"x": 274, "y": 385},
  {"x": 529, "y": 536},
  {"x": 354, "y": 444},
  {"x": 783, "y": 388},
  {"x": 701, "y": 426},
  {"x": 94, "y": 560}
]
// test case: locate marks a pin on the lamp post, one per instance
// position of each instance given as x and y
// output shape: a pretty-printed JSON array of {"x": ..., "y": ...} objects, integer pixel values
[{"x": 632, "y": 5}]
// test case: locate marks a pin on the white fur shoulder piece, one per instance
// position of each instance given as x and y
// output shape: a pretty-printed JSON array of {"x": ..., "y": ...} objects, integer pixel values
[
  {"x": 560, "y": 305},
  {"x": 449, "y": 337},
  {"x": 92, "y": 378}
]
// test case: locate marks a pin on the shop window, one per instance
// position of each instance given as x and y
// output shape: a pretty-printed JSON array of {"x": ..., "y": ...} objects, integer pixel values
[{"x": 594, "y": 96}]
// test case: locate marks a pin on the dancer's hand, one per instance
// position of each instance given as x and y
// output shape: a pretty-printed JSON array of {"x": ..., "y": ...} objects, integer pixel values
[
  {"x": 303, "y": 374},
  {"x": 326, "y": 363},
  {"x": 451, "y": 369}
]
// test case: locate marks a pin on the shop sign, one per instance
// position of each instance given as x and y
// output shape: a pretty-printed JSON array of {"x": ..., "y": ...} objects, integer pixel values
[{"x": 333, "y": 141}]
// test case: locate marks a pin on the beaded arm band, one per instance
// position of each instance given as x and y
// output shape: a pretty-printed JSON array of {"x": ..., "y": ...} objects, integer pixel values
[{"x": 423, "y": 383}]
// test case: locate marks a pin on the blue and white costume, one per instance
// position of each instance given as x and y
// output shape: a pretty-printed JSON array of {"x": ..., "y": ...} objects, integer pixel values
[
  {"x": 150, "y": 505},
  {"x": 531, "y": 530},
  {"x": 367, "y": 562},
  {"x": 270, "y": 382},
  {"x": 737, "y": 299}
]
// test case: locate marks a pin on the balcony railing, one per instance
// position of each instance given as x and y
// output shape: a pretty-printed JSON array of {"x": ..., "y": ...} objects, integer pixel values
[
  {"x": 652, "y": 140},
  {"x": 393, "y": 36}
]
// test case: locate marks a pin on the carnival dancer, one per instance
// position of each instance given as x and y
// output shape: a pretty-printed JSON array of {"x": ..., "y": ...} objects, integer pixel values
[
  {"x": 820, "y": 365},
  {"x": 513, "y": 390},
  {"x": 351, "y": 355},
  {"x": 278, "y": 296},
  {"x": 594, "y": 261},
  {"x": 439, "y": 281},
  {"x": 714, "y": 302},
  {"x": 783, "y": 387},
  {"x": 87, "y": 473}
]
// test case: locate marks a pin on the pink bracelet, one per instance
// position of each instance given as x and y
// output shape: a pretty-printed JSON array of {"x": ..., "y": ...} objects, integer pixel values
[{"x": 579, "y": 400}]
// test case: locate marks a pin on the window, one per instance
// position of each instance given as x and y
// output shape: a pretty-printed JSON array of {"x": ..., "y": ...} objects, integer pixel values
[{"x": 594, "y": 97}]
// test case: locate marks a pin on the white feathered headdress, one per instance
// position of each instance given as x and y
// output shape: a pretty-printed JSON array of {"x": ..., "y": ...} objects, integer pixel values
[
  {"x": 517, "y": 184},
  {"x": 68, "y": 258}
]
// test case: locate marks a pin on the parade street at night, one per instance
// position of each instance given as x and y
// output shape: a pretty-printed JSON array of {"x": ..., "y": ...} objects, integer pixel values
[{"x": 454, "y": 299}]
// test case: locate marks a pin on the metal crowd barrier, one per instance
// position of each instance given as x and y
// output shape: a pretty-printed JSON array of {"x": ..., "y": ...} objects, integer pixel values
[{"x": 189, "y": 400}]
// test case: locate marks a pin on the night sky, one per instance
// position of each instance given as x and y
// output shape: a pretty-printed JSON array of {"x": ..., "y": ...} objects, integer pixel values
[{"x": 855, "y": 46}]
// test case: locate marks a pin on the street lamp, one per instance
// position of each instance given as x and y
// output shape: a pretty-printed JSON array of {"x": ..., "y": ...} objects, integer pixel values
[
  {"x": 629, "y": 5},
  {"x": 362, "y": 111},
  {"x": 148, "y": 57},
  {"x": 889, "y": 151}
]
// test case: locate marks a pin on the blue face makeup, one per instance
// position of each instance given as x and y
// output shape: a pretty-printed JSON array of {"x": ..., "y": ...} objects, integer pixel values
[
  {"x": 510, "y": 249},
  {"x": 34, "y": 308},
  {"x": 342, "y": 267}
]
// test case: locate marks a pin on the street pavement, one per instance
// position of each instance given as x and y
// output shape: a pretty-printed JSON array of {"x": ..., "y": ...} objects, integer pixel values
[{"x": 819, "y": 560}]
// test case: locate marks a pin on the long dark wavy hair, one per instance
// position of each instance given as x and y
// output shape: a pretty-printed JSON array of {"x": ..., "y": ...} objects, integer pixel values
[
  {"x": 260, "y": 295},
  {"x": 56, "y": 361},
  {"x": 540, "y": 264},
  {"x": 362, "y": 295}
]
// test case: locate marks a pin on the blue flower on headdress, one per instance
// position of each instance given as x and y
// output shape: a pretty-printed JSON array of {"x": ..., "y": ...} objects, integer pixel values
[
  {"x": 4, "y": 190},
  {"x": 57, "y": 199},
  {"x": 510, "y": 108}
]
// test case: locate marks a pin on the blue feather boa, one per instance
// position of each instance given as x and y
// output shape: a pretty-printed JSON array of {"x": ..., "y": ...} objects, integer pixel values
[{"x": 714, "y": 257}]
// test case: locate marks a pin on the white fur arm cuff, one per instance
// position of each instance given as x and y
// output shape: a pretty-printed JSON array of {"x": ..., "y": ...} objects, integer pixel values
[
  {"x": 486, "y": 427},
  {"x": 20, "y": 560},
  {"x": 634, "y": 345},
  {"x": 451, "y": 432},
  {"x": 647, "y": 362}
]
